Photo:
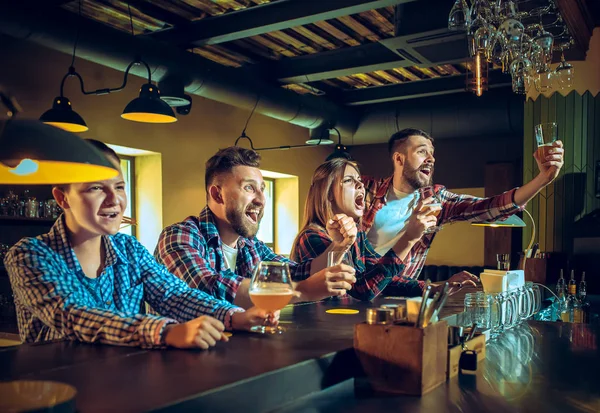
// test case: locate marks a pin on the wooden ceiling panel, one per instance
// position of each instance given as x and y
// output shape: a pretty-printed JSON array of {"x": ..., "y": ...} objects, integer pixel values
[
  {"x": 115, "y": 14},
  {"x": 215, "y": 57},
  {"x": 426, "y": 71},
  {"x": 256, "y": 48},
  {"x": 358, "y": 28},
  {"x": 179, "y": 8},
  {"x": 275, "y": 45},
  {"x": 388, "y": 76},
  {"x": 318, "y": 32},
  {"x": 385, "y": 27},
  {"x": 319, "y": 37},
  {"x": 229, "y": 53},
  {"x": 303, "y": 89},
  {"x": 303, "y": 47},
  {"x": 314, "y": 37},
  {"x": 338, "y": 34},
  {"x": 406, "y": 73}
]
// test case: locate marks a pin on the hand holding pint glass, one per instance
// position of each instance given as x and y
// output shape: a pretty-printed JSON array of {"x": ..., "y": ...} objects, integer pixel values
[
  {"x": 545, "y": 135},
  {"x": 434, "y": 206},
  {"x": 549, "y": 153}
]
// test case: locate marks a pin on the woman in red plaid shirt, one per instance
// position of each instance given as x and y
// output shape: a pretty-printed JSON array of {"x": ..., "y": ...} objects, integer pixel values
[{"x": 334, "y": 206}]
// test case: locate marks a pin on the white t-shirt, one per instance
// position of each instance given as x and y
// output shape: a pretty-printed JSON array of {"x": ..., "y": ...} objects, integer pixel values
[
  {"x": 391, "y": 219},
  {"x": 230, "y": 255}
]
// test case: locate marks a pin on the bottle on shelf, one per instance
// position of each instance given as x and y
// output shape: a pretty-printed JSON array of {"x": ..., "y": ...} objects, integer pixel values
[
  {"x": 561, "y": 288},
  {"x": 582, "y": 296},
  {"x": 572, "y": 307},
  {"x": 559, "y": 304}
]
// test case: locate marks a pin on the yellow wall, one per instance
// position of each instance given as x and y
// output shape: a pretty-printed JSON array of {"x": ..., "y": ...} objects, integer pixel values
[
  {"x": 288, "y": 214},
  {"x": 149, "y": 211},
  {"x": 587, "y": 72},
  {"x": 459, "y": 243},
  {"x": 34, "y": 75}
]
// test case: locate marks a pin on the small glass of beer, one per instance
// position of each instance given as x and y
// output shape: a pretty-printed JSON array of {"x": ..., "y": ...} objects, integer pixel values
[
  {"x": 271, "y": 289},
  {"x": 339, "y": 257},
  {"x": 435, "y": 205},
  {"x": 545, "y": 135}
]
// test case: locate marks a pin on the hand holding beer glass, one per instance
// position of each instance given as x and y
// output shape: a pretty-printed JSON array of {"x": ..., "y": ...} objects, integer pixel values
[
  {"x": 550, "y": 153},
  {"x": 339, "y": 257},
  {"x": 271, "y": 289},
  {"x": 435, "y": 206},
  {"x": 545, "y": 135}
]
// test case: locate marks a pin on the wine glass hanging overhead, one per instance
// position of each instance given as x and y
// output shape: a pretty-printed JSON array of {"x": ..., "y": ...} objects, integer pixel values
[{"x": 517, "y": 38}]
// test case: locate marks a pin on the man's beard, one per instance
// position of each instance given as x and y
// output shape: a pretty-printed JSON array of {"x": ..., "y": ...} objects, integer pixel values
[
  {"x": 239, "y": 223},
  {"x": 415, "y": 179}
]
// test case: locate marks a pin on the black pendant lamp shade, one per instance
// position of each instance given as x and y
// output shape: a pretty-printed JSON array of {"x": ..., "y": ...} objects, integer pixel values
[
  {"x": 33, "y": 153},
  {"x": 63, "y": 116},
  {"x": 148, "y": 107},
  {"x": 340, "y": 151}
]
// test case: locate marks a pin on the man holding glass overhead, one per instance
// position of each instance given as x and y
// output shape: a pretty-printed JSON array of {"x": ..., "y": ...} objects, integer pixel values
[
  {"x": 217, "y": 251},
  {"x": 390, "y": 201}
]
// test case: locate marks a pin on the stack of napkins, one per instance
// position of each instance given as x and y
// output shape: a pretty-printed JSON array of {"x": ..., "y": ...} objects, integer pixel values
[{"x": 495, "y": 281}]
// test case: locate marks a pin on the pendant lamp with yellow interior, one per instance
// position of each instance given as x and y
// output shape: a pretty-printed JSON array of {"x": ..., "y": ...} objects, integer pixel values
[
  {"x": 147, "y": 108},
  {"x": 33, "y": 153}
]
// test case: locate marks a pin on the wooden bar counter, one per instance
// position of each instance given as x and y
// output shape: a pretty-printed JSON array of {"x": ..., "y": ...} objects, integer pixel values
[{"x": 538, "y": 367}]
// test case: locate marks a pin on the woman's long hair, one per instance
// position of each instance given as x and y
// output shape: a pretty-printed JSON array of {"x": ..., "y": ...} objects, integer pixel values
[{"x": 318, "y": 208}]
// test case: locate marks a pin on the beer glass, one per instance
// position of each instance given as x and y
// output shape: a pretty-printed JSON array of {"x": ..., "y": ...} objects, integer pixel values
[
  {"x": 271, "y": 289},
  {"x": 503, "y": 261},
  {"x": 545, "y": 135},
  {"x": 482, "y": 309},
  {"x": 536, "y": 295},
  {"x": 339, "y": 257},
  {"x": 435, "y": 205}
]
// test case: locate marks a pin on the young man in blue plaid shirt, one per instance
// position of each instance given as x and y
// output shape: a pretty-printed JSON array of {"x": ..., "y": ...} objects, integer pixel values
[
  {"x": 218, "y": 251},
  {"x": 85, "y": 281}
]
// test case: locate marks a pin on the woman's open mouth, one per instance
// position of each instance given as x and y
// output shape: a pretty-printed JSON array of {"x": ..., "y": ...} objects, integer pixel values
[{"x": 359, "y": 202}]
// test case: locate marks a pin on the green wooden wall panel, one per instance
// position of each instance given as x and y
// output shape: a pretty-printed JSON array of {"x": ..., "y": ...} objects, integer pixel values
[{"x": 572, "y": 195}]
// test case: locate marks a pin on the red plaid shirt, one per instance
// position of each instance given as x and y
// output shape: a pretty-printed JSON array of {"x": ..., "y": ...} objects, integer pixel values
[
  {"x": 455, "y": 207},
  {"x": 373, "y": 271},
  {"x": 192, "y": 251}
]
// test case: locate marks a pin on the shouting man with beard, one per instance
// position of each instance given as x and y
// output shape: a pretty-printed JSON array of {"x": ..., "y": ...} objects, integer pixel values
[
  {"x": 390, "y": 201},
  {"x": 218, "y": 251}
]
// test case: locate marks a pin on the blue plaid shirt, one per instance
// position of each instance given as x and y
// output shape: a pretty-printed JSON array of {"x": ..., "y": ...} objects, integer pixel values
[
  {"x": 192, "y": 250},
  {"x": 54, "y": 299}
]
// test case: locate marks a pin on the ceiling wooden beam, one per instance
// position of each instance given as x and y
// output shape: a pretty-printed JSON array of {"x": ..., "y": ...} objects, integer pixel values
[
  {"x": 579, "y": 20},
  {"x": 383, "y": 55},
  {"x": 265, "y": 18},
  {"x": 334, "y": 63},
  {"x": 158, "y": 13}
]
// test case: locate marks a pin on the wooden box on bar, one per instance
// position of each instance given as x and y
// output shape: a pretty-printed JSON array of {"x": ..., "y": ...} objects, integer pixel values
[
  {"x": 535, "y": 269},
  {"x": 402, "y": 359}
]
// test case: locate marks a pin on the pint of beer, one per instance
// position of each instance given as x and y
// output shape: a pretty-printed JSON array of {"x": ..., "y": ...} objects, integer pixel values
[{"x": 545, "y": 135}]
